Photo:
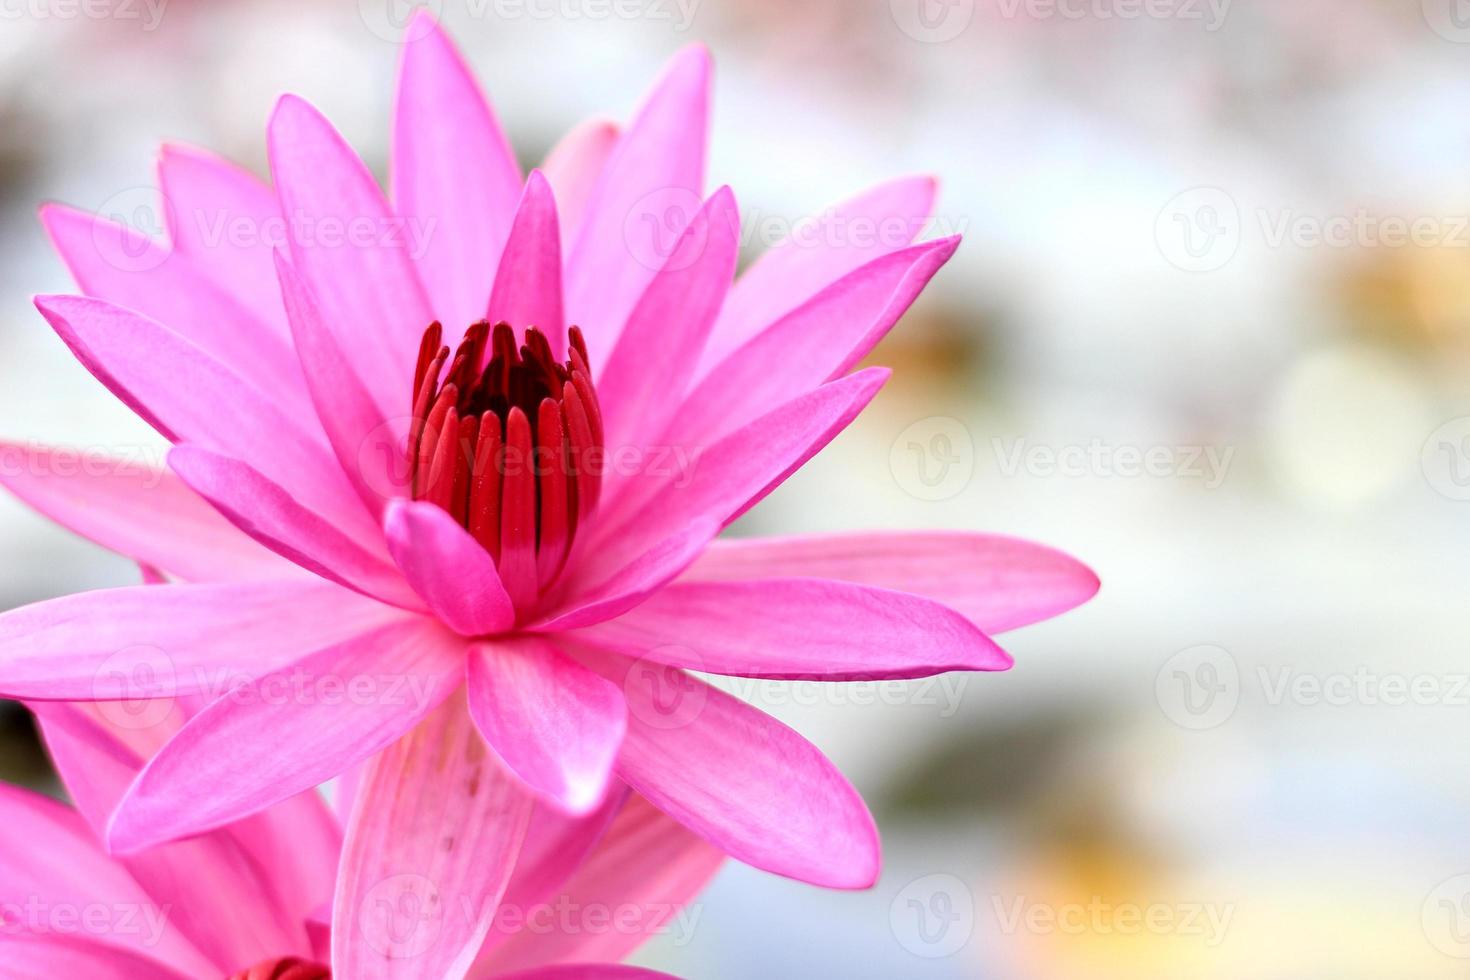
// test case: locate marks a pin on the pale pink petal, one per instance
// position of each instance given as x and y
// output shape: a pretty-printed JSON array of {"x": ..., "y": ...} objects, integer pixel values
[
  {"x": 131, "y": 508},
  {"x": 826, "y": 247},
  {"x": 30, "y": 957},
  {"x": 740, "y": 779},
  {"x": 453, "y": 171},
  {"x": 199, "y": 880},
  {"x": 357, "y": 256},
  {"x": 527, "y": 289},
  {"x": 799, "y": 628},
  {"x": 191, "y": 397},
  {"x": 651, "y": 186},
  {"x": 434, "y": 837},
  {"x": 448, "y": 568},
  {"x": 225, "y": 219},
  {"x": 152, "y": 642},
  {"x": 369, "y": 439},
  {"x": 112, "y": 262},
  {"x": 553, "y": 722},
  {"x": 998, "y": 583},
  {"x": 268, "y": 514},
  {"x": 820, "y": 340},
  {"x": 643, "y": 381},
  {"x": 53, "y": 863},
  {"x": 575, "y": 163},
  {"x": 287, "y": 731},
  {"x": 720, "y": 482},
  {"x": 647, "y": 862}
]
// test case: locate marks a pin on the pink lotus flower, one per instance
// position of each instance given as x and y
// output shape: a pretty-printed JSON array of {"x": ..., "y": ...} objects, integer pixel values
[
  {"x": 459, "y": 515},
  {"x": 243, "y": 901}
]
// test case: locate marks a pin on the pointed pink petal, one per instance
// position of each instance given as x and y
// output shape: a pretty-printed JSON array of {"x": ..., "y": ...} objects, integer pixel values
[
  {"x": 112, "y": 262},
  {"x": 820, "y": 340},
  {"x": 356, "y": 255},
  {"x": 189, "y": 396},
  {"x": 200, "y": 880},
  {"x": 52, "y": 862},
  {"x": 268, "y": 514},
  {"x": 799, "y": 628},
  {"x": 527, "y": 289},
  {"x": 434, "y": 837},
  {"x": 448, "y": 568},
  {"x": 882, "y": 219},
  {"x": 128, "y": 507},
  {"x": 47, "y": 957},
  {"x": 652, "y": 183},
  {"x": 648, "y": 862},
  {"x": 575, "y": 163},
  {"x": 740, "y": 779},
  {"x": 150, "y": 642},
  {"x": 287, "y": 731},
  {"x": 642, "y": 383},
  {"x": 722, "y": 481},
  {"x": 224, "y": 219},
  {"x": 369, "y": 439},
  {"x": 553, "y": 722},
  {"x": 998, "y": 583},
  {"x": 454, "y": 172}
]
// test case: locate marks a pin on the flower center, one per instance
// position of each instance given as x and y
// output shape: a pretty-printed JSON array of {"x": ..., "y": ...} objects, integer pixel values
[
  {"x": 506, "y": 443},
  {"x": 285, "y": 968}
]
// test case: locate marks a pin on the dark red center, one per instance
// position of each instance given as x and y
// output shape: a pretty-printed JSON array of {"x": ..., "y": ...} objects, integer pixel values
[
  {"x": 508, "y": 440},
  {"x": 285, "y": 968}
]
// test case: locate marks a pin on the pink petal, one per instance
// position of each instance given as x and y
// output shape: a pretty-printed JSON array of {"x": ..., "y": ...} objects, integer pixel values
[
  {"x": 149, "y": 642},
  {"x": 998, "y": 583},
  {"x": 731, "y": 476},
  {"x": 224, "y": 219},
  {"x": 882, "y": 219},
  {"x": 190, "y": 397},
  {"x": 454, "y": 172},
  {"x": 128, "y": 507},
  {"x": 740, "y": 779},
  {"x": 268, "y": 514},
  {"x": 651, "y": 185},
  {"x": 575, "y": 163},
  {"x": 448, "y": 568},
  {"x": 290, "y": 730},
  {"x": 527, "y": 289},
  {"x": 553, "y": 722},
  {"x": 655, "y": 354},
  {"x": 434, "y": 838},
  {"x": 48, "y": 957},
  {"x": 52, "y": 864},
  {"x": 199, "y": 881},
  {"x": 798, "y": 628},
  {"x": 356, "y": 255},
  {"x": 112, "y": 262},
  {"x": 646, "y": 862},
  {"x": 589, "y": 971},
  {"x": 820, "y": 340},
  {"x": 369, "y": 439}
]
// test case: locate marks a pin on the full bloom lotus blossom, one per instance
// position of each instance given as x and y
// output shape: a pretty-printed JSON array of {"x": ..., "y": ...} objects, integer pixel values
[
  {"x": 246, "y": 901},
  {"x": 473, "y": 447}
]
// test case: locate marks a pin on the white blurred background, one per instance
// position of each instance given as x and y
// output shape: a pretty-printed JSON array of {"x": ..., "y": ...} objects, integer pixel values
[{"x": 1209, "y": 331}]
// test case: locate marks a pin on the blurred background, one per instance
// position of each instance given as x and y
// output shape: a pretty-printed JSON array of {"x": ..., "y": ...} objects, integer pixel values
[{"x": 1209, "y": 331}]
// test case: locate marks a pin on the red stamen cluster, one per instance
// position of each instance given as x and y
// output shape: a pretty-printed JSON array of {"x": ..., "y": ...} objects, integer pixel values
[
  {"x": 286, "y": 968},
  {"x": 506, "y": 446}
]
